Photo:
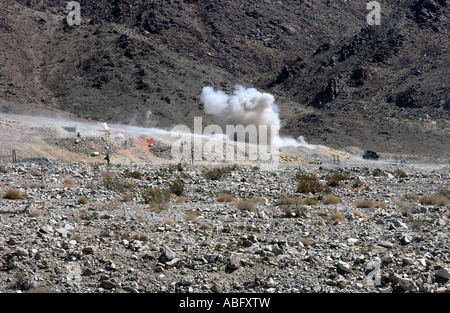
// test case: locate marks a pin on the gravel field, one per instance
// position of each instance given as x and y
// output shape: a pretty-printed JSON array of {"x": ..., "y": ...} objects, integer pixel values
[{"x": 122, "y": 228}]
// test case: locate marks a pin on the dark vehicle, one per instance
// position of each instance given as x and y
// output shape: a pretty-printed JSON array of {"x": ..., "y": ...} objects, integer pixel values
[{"x": 370, "y": 155}]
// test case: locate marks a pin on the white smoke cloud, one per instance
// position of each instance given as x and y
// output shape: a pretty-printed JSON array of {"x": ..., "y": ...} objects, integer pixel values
[
  {"x": 244, "y": 107},
  {"x": 249, "y": 107}
]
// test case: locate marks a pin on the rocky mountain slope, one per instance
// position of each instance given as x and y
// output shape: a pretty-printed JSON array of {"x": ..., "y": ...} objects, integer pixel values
[{"x": 338, "y": 81}]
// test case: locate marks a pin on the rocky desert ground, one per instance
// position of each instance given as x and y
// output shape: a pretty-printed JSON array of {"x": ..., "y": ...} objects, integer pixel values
[
  {"x": 71, "y": 223},
  {"x": 93, "y": 201}
]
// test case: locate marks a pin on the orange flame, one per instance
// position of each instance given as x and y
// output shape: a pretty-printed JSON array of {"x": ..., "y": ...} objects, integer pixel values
[{"x": 147, "y": 142}]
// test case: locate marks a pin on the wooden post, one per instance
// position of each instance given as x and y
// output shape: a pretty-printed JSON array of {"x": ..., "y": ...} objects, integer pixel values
[{"x": 14, "y": 156}]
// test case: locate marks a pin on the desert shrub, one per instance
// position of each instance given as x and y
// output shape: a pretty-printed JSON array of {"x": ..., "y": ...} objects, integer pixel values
[
  {"x": 380, "y": 204},
  {"x": 140, "y": 237},
  {"x": 358, "y": 213},
  {"x": 191, "y": 215},
  {"x": 337, "y": 217},
  {"x": 308, "y": 183},
  {"x": 257, "y": 200},
  {"x": 157, "y": 198},
  {"x": 357, "y": 183},
  {"x": 435, "y": 199},
  {"x": 399, "y": 173},
  {"x": 226, "y": 198},
  {"x": 83, "y": 200},
  {"x": 107, "y": 174},
  {"x": 133, "y": 174},
  {"x": 21, "y": 280},
  {"x": 117, "y": 184},
  {"x": 364, "y": 204},
  {"x": 310, "y": 201},
  {"x": 427, "y": 200},
  {"x": 287, "y": 200},
  {"x": 177, "y": 187},
  {"x": 181, "y": 199},
  {"x": 218, "y": 173},
  {"x": 246, "y": 205},
  {"x": 415, "y": 222},
  {"x": 37, "y": 186},
  {"x": 336, "y": 178},
  {"x": 15, "y": 194},
  {"x": 68, "y": 182},
  {"x": 330, "y": 199},
  {"x": 377, "y": 172},
  {"x": 126, "y": 197},
  {"x": 404, "y": 207},
  {"x": 323, "y": 213},
  {"x": 442, "y": 201}
]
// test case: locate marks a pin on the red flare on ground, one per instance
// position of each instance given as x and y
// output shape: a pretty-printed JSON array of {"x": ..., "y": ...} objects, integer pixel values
[{"x": 147, "y": 142}]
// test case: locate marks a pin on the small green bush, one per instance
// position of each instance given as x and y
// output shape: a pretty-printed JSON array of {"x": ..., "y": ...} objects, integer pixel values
[
  {"x": 157, "y": 198},
  {"x": 226, "y": 198},
  {"x": 377, "y": 172},
  {"x": 117, "y": 184},
  {"x": 309, "y": 183},
  {"x": 218, "y": 173},
  {"x": 286, "y": 200},
  {"x": 336, "y": 178},
  {"x": 310, "y": 201},
  {"x": 177, "y": 187},
  {"x": 133, "y": 174},
  {"x": 399, "y": 173}
]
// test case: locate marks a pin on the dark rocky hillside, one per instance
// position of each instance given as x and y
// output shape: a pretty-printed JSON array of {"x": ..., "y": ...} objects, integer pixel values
[{"x": 338, "y": 81}]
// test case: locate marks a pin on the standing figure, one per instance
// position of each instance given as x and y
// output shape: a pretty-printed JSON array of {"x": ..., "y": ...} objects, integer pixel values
[{"x": 107, "y": 157}]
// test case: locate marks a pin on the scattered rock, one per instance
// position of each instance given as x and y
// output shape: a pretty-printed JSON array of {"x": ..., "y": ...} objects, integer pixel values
[
  {"x": 186, "y": 281},
  {"x": 88, "y": 250},
  {"x": 233, "y": 263},
  {"x": 385, "y": 244},
  {"x": 217, "y": 288},
  {"x": 407, "y": 284},
  {"x": 21, "y": 252},
  {"x": 131, "y": 246},
  {"x": 443, "y": 273},
  {"x": 169, "y": 254},
  {"x": 108, "y": 284},
  {"x": 344, "y": 267}
]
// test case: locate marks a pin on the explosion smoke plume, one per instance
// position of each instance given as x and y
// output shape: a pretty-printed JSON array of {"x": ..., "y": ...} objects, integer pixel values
[{"x": 244, "y": 107}]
